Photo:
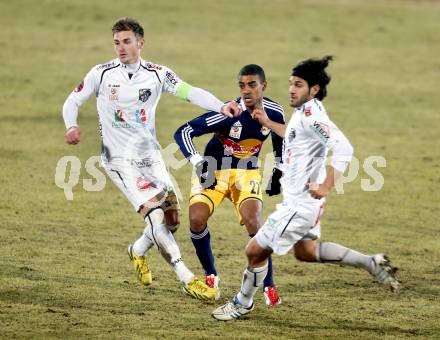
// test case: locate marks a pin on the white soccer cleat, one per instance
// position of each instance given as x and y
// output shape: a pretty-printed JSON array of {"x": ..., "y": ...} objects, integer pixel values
[
  {"x": 231, "y": 311},
  {"x": 385, "y": 272},
  {"x": 213, "y": 281}
]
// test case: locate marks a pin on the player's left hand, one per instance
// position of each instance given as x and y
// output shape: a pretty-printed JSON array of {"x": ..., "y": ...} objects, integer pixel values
[
  {"x": 231, "y": 109},
  {"x": 317, "y": 190}
]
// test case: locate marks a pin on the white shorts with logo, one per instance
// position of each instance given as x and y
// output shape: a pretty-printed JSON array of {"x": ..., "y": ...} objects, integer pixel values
[
  {"x": 142, "y": 179},
  {"x": 288, "y": 224}
]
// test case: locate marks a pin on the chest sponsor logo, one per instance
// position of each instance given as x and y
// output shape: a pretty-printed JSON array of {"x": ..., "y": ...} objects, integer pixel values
[
  {"x": 118, "y": 116},
  {"x": 265, "y": 131},
  {"x": 322, "y": 130},
  {"x": 141, "y": 116},
  {"x": 79, "y": 87},
  {"x": 144, "y": 94},
  {"x": 242, "y": 149},
  {"x": 235, "y": 131}
]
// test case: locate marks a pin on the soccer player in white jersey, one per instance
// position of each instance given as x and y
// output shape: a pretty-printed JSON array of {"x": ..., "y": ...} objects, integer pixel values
[
  {"x": 128, "y": 90},
  {"x": 308, "y": 137}
]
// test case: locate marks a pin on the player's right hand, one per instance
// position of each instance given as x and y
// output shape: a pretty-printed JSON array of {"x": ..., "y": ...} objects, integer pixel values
[
  {"x": 206, "y": 174},
  {"x": 73, "y": 135}
]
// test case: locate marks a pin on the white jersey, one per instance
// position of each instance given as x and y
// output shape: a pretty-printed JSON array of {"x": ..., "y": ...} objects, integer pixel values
[
  {"x": 127, "y": 105},
  {"x": 309, "y": 135}
]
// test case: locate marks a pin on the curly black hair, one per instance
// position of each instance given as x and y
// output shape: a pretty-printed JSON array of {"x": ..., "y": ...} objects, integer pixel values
[{"x": 313, "y": 72}]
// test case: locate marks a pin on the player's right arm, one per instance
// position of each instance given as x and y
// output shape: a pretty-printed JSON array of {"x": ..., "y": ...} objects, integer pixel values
[
  {"x": 78, "y": 97},
  {"x": 261, "y": 116}
]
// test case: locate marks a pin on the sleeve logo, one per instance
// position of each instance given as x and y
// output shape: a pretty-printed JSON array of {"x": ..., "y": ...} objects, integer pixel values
[
  {"x": 79, "y": 87},
  {"x": 322, "y": 130}
]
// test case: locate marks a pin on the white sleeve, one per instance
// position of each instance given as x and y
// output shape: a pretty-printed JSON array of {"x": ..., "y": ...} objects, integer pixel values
[
  {"x": 204, "y": 99},
  {"x": 197, "y": 96},
  {"x": 321, "y": 128},
  {"x": 79, "y": 96}
]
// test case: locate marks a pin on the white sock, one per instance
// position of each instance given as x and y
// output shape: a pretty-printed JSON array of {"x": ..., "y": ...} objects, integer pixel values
[
  {"x": 335, "y": 253},
  {"x": 167, "y": 245},
  {"x": 143, "y": 243},
  {"x": 252, "y": 279}
]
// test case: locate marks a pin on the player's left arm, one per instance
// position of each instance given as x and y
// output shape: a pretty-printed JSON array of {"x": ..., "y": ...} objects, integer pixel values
[
  {"x": 197, "y": 96},
  {"x": 274, "y": 185},
  {"x": 321, "y": 128}
]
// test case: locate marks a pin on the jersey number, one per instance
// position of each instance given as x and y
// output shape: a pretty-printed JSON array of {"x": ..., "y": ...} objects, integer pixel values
[{"x": 255, "y": 187}]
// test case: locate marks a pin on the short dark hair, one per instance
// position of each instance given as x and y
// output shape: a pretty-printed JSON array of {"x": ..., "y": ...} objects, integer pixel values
[
  {"x": 128, "y": 24},
  {"x": 252, "y": 69},
  {"x": 313, "y": 72}
]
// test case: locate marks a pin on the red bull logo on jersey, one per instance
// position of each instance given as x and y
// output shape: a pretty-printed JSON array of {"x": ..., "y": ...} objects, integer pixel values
[{"x": 242, "y": 149}]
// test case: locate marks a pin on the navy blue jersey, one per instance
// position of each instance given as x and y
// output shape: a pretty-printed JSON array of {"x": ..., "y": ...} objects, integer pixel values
[{"x": 236, "y": 142}]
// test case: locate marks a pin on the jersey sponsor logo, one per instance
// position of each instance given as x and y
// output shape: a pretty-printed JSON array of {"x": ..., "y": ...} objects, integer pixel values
[
  {"x": 142, "y": 163},
  {"x": 118, "y": 116},
  {"x": 79, "y": 87},
  {"x": 242, "y": 149},
  {"x": 143, "y": 185},
  {"x": 265, "y": 131},
  {"x": 308, "y": 111},
  {"x": 235, "y": 131},
  {"x": 141, "y": 116},
  {"x": 144, "y": 94},
  {"x": 153, "y": 66},
  {"x": 100, "y": 67},
  {"x": 170, "y": 79},
  {"x": 322, "y": 130},
  {"x": 114, "y": 89}
]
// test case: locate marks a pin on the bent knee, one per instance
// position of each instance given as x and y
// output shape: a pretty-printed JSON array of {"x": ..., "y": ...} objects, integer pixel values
[{"x": 252, "y": 224}]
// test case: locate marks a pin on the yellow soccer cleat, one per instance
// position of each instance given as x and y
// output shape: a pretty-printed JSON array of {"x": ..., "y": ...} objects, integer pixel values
[
  {"x": 141, "y": 266},
  {"x": 200, "y": 290}
]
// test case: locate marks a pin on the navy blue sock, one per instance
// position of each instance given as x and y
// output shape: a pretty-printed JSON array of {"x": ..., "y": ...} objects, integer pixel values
[
  {"x": 268, "y": 280},
  {"x": 202, "y": 243}
]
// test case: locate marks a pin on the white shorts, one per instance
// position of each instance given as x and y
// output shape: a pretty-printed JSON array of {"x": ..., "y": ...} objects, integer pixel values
[
  {"x": 142, "y": 179},
  {"x": 289, "y": 224}
]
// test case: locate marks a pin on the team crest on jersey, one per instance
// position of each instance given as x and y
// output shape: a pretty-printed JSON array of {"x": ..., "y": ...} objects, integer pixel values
[
  {"x": 144, "y": 94},
  {"x": 235, "y": 131},
  {"x": 265, "y": 131},
  {"x": 292, "y": 135},
  {"x": 308, "y": 111}
]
